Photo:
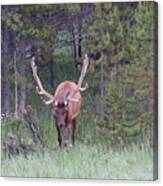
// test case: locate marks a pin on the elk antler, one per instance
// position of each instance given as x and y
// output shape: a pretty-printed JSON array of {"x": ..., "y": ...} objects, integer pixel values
[
  {"x": 40, "y": 90},
  {"x": 83, "y": 73},
  {"x": 81, "y": 78}
]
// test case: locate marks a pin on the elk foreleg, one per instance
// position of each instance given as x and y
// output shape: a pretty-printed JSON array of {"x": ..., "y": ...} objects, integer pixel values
[
  {"x": 68, "y": 131},
  {"x": 59, "y": 136},
  {"x": 66, "y": 136}
]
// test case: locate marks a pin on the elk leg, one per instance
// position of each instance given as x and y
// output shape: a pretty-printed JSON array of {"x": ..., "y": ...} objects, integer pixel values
[
  {"x": 66, "y": 136},
  {"x": 59, "y": 136},
  {"x": 70, "y": 132},
  {"x": 73, "y": 131}
]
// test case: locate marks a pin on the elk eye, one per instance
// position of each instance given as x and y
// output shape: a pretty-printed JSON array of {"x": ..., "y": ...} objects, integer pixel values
[
  {"x": 65, "y": 103},
  {"x": 56, "y": 103}
]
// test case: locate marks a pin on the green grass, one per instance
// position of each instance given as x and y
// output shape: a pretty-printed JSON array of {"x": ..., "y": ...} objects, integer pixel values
[{"x": 83, "y": 161}]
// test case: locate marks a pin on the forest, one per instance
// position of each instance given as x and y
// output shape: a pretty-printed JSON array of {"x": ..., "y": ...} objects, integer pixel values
[{"x": 116, "y": 132}]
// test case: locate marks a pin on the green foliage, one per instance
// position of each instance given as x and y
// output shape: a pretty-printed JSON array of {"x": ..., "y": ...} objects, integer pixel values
[
  {"x": 73, "y": 8},
  {"x": 126, "y": 73},
  {"x": 128, "y": 115}
]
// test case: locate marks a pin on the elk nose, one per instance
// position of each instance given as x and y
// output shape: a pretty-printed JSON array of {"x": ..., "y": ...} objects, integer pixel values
[{"x": 61, "y": 125}]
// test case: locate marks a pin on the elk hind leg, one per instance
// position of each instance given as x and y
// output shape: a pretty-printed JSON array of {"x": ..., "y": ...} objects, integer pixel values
[{"x": 73, "y": 131}]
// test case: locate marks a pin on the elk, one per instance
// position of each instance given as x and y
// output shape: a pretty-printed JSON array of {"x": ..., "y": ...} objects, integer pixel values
[{"x": 66, "y": 102}]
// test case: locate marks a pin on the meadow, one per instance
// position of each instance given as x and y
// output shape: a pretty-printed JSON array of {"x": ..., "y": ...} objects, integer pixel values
[
  {"x": 83, "y": 161},
  {"x": 92, "y": 157}
]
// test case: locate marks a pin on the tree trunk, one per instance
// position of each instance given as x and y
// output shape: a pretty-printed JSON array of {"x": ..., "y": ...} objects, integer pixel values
[
  {"x": 8, "y": 48},
  {"x": 22, "y": 72},
  {"x": 22, "y": 98},
  {"x": 5, "y": 96},
  {"x": 51, "y": 74},
  {"x": 16, "y": 85},
  {"x": 101, "y": 89},
  {"x": 80, "y": 48},
  {"x": 74, "y": 48},
  {"x": 80, "y": 40}
]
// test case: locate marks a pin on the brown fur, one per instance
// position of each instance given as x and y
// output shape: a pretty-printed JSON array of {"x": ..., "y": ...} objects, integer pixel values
[{"x": 73, "y": 109}]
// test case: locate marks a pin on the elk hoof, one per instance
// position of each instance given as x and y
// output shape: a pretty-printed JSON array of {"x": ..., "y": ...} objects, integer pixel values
[
  {"x": 67, "y": 146},
  {"x": 70, "y": 145}
]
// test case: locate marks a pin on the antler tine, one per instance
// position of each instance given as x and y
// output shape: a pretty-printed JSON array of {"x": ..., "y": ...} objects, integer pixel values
[
  {"x": 83, "y": 88},
  {"x": 49, "y": 101},
  {"x": 73, "y": 100},
  {"x": 84, "y": 70}
]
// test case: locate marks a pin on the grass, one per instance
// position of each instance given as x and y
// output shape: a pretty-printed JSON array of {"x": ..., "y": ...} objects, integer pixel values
[{"x": 83, "y": 161}]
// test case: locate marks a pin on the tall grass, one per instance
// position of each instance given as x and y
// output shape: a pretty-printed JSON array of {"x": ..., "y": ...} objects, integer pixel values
[
  {"x": 83, "y": 161},
  {"x": 91, "y": 157}
]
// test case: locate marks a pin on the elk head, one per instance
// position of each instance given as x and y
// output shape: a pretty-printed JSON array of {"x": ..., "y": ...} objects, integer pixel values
[{"x": 60, "y": 112}]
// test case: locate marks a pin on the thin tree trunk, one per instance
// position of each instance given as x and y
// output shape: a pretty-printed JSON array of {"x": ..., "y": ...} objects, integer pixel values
[
  {"x": 101, "y": 88},
  {"x": 16, "y": 86},
  {"x": 5, "y": 96},
  {"x": 5, "y": 92},
  {"x": 80, "y": 40},
  {"x": 51, "y": 74},
  {"x": 74, "y": 48},
  {"x": 80, "y": 48},
  {"x": 22, "y": 86},
  {"x": 22, "y": 97}
]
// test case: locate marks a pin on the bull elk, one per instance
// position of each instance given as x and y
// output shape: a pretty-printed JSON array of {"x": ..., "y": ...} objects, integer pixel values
[{"x": 66, "y": 102}]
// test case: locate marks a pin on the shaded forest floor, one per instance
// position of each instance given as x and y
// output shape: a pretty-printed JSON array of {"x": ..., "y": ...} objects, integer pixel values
[{"x": 83, "y": 161}]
